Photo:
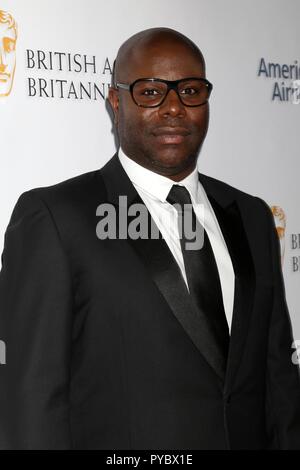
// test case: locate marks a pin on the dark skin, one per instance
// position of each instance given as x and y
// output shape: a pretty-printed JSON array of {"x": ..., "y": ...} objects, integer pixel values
[{"x": 144, "y": 133}]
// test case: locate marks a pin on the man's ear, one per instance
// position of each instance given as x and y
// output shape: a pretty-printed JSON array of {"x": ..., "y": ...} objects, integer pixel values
[{"x": 113, "y": 98}]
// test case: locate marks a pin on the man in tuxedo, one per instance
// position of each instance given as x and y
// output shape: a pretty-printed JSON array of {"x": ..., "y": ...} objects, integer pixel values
[{"x": 140, "y": 342}]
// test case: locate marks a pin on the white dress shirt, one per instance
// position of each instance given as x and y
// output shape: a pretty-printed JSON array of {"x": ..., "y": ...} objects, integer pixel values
[{"x": 153, "y": 190}]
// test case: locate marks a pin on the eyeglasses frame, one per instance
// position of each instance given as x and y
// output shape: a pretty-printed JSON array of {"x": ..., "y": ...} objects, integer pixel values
[{"x": 171, "y": 84}]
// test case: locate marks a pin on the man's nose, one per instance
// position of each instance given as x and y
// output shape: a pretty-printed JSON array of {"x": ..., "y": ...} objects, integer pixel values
[{"x": 172, "y": 105}]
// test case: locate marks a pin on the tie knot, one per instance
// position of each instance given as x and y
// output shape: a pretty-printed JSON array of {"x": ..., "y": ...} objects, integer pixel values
[{"x": 179, "y": 195}]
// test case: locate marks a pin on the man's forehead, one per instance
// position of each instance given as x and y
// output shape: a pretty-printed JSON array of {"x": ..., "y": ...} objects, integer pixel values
[
  {"x": 160, "y": 42},
  {"x": 159, "y": 54},
  {"x": 164, "y": 58}
]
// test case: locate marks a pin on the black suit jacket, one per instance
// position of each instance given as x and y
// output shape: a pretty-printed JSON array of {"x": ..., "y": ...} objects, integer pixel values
[{"x": 100, "y": 349}]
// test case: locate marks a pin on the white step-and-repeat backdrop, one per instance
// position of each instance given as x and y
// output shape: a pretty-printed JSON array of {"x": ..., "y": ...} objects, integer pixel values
[{"x": 56, "y": 60}]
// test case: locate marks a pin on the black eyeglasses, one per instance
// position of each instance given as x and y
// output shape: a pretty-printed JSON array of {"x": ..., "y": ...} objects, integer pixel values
[{"x": 151, "y": 92}]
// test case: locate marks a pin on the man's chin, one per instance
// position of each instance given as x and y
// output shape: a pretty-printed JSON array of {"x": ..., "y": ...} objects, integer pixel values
[{"x": 172, "y": 158}]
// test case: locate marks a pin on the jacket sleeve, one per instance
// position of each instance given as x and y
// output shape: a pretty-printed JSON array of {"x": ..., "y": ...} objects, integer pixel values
[
  {"x": 282, "y": 378},
  {"x": 35, "y": 326}
]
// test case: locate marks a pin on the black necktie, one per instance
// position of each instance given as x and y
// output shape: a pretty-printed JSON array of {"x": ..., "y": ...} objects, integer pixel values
[{"x": 201, "y": 268}]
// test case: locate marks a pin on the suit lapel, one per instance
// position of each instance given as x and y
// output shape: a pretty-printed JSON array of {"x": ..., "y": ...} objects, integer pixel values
[
  {"x": 163, "y": 269},
  {"x": 165, "y": 272},
  {"x": 232, "y": 225}
]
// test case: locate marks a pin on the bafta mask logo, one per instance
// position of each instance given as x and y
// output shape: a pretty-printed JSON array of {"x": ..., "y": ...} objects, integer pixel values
[
  {"x": 8, "y": 40},
  {"x": 280, "y": 222}
]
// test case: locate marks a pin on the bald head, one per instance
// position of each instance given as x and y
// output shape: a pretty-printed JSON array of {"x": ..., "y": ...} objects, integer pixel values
[{"x": 149, "y": 42}]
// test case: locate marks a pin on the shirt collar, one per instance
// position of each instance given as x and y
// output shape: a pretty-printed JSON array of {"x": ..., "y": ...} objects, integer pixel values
[{"x": 156, "y": 185}]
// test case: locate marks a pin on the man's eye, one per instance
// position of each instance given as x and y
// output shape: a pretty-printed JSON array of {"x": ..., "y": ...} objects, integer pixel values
[
  {"x": 189, "y": 91},
  {"x": 150, "y": 92},
  {"x": 9, "y": 44}
]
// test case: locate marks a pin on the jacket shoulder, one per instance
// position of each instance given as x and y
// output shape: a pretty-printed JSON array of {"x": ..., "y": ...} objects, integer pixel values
[
  {"x": 251, "y": 203},
  {"x": 75, "y": 187},
  {"x": 62, "y": 199},
  {"x": 70, "y": 193},
  {"x": 223, "y": 188}
]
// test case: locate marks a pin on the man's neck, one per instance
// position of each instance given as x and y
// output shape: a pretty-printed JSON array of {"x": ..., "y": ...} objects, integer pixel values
[{"x": 174, "y": 174}]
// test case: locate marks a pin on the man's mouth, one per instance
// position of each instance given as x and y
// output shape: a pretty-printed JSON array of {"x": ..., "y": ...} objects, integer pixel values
[{"x": 171, "y": 135}]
